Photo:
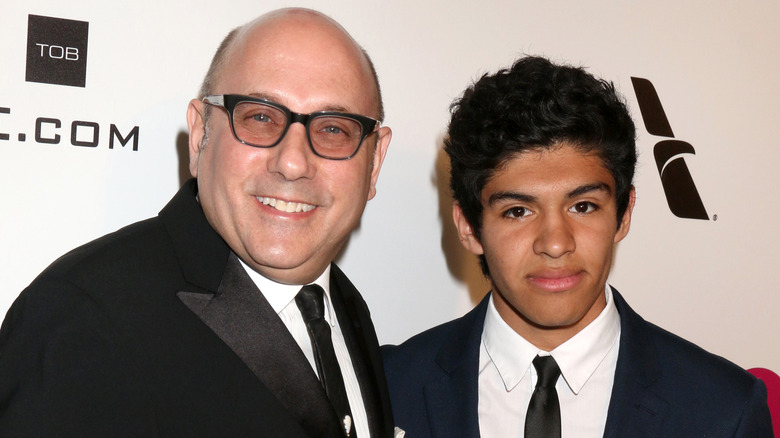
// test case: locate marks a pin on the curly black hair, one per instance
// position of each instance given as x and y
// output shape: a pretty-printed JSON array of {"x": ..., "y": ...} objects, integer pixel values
[{"x": 536, "y": 105}]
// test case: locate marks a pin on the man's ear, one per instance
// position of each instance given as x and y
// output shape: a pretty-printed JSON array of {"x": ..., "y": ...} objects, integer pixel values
[
  {"x": 465, "y": 232},
  {"x": 625, "y": 221},
  {"x": 385, "y": 134},
  {"x": 197, "y": 128}
]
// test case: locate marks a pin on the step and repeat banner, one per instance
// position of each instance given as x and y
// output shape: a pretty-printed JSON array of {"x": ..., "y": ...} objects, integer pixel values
[{"x": 93, "y": 137}]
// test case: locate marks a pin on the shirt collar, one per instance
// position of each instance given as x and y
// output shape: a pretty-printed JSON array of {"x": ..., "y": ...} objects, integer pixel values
[
  {"x": 280, "y": 295},
  {"x": 509, "y": 352},
  {"x": 577, "y": 358}
]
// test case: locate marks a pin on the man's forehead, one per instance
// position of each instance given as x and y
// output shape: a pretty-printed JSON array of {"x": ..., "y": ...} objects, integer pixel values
[
  {"x": 282, "y": 98},
  {"x": 565, "y": 170},
  {"x": 562, "y": 154},
  {"x": 322, "y": 69},
  {"x": 294, "y": 30}
]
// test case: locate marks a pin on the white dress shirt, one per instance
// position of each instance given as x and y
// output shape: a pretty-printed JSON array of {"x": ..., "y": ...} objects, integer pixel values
[
  {"x": 282, "y": 300},
  {"x": 507, "y": 377}
]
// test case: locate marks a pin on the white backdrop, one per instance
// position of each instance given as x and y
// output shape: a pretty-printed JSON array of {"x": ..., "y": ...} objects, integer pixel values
[{"x": 714, "y": 64}]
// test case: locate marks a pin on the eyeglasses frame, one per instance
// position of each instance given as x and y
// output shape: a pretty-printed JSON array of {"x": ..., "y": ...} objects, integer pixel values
[{"x": 228, "y": 102}]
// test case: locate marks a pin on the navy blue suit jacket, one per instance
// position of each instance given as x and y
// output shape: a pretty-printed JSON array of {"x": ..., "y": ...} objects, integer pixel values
[{"x": 664, "y": 386}]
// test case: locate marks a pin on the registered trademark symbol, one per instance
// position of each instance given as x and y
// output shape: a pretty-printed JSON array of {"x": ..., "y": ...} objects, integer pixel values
[{"x": 714, "y": 217}]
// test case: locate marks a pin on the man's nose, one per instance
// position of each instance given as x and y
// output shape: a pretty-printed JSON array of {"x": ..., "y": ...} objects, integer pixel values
[
  {"x": 292, "y": 158},
  {"x": 555, "y": 237}
]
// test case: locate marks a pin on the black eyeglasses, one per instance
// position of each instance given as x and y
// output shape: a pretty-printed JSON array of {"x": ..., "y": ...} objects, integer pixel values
[{"x": 262, "y": 123}]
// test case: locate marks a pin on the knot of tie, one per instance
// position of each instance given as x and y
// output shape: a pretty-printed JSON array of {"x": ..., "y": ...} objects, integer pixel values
[
  {"x": 311, "y": 303},
  {"x": 548, "y": 371}
]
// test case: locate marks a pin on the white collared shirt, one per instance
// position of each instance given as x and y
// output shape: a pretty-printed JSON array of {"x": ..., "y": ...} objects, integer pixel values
[
  {"x": 282, "y": 300},
  {"x": 507, "y": 377}
]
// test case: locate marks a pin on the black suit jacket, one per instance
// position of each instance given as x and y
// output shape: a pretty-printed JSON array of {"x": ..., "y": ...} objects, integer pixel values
[
  {"x": 156, "y": 331},
  {"x": 664, "y": 386}
]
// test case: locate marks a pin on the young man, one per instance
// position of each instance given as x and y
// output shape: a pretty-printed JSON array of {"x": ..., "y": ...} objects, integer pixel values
[
  {"x": 191, "y": 324},
  {"x": 543, "y": 158}
]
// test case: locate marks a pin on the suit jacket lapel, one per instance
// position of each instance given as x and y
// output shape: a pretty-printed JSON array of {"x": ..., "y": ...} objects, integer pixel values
[
  {"x": 634, "y": 410},
  {"x": 452, "y": 400},
  {"x": 360, "y": 338},
  {"x": 200, "y": 252},
  {"x": 241, "y": 316}
]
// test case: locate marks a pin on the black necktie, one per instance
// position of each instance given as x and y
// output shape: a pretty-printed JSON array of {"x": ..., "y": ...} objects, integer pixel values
[
  {"x": 312, "y": 306},
  {"x": 543, "y": 419}
]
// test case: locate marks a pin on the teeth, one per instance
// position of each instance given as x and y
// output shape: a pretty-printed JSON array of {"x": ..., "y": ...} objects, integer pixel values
[{"x": 288, "y": 207}]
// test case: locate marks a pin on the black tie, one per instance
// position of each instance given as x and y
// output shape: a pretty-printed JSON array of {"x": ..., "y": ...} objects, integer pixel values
[
  {"x": 310, "y": 302},
  {"x": 543, "y": 419}
]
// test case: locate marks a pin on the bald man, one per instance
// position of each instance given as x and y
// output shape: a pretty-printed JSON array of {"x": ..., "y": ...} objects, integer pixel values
[{"x": 224, "y": 316}]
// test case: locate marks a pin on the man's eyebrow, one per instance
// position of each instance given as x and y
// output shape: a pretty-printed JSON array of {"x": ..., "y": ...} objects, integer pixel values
[
  {"x": 524, "y": 197},
  {"x": 263, "y": 96},
  {"x": 513, "y": 196},
  {"x": 329, "y": 108},
  {"x": 587, "y": 188}
]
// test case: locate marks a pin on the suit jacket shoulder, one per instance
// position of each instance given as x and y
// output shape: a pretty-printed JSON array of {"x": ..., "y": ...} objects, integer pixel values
[
  {"x": 432, "y": 378},
  {"x": 178, "y": 245},
  {"x": 667, "y": 386}
]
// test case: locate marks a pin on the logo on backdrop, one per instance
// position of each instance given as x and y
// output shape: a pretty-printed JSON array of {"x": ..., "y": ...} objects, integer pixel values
[
  {"x": 57, "y": 54},
  {"x": 57, "y": 51},
  {"x": 681, "y": 193},
  {"x": 82, "y": 133}
]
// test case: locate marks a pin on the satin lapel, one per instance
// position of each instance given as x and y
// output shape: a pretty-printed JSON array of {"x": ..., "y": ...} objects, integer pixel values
[
  {"x": 360, "y": 338},
  {"x": 241, "y": 316},
  {"x": 452, "y": 400},
  {"x": 634, "y": 410}
]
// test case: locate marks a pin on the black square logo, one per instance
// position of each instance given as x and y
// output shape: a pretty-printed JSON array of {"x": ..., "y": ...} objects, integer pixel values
[{"x": 57, "y": 51}]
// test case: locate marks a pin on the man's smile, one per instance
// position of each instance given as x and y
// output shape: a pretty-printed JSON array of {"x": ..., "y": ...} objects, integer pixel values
[{"x": 286, "y": 206}]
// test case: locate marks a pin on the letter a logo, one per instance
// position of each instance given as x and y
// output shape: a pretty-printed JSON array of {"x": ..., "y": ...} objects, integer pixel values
[{"x": 681, "y": 194}]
